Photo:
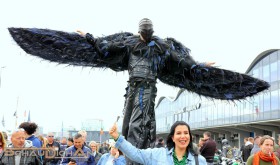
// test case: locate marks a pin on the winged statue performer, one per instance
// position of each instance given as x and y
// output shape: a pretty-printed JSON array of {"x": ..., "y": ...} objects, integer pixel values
[{"x": 146, "y": 58}]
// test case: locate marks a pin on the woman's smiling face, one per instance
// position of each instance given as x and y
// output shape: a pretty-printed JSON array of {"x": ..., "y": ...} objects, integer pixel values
[{"x": 181, "y": 137}]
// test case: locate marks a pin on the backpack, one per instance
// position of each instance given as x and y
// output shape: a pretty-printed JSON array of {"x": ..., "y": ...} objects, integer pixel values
[{"x": 229, "y": 153}]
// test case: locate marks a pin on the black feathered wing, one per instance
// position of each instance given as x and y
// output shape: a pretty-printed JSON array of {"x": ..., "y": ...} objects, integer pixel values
[
  {"x": 182, "y": 71},
  {"x": 70, "y": 48}
]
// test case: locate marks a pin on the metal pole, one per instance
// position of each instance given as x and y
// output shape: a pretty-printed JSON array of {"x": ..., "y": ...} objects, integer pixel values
[{"x": 2, "y": 67}]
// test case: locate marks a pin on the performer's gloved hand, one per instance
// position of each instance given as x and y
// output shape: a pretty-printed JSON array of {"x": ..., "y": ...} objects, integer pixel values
[
  {"x": 83, "y": 34},
  {"x": 209, "y": 63},
  {"x": 114, "y": 132},
  {"x": 88, "y": 37}
]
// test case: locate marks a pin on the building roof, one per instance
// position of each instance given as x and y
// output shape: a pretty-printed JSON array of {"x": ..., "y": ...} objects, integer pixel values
[
  {"x": 260, "y": 57},
  {"x": 171, "y": 99}
]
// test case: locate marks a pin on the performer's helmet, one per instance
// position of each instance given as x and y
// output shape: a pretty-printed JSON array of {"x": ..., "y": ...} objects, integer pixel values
[
  {"x": 146, "y": 29},
  {"x": 224, "y": 142}
]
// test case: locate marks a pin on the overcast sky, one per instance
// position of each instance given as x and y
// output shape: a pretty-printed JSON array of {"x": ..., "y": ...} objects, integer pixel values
[{"x": 231, "y": 33}]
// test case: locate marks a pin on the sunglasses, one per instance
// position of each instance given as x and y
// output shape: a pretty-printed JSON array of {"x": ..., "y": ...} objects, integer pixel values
[{"x": 50, "y": 136}]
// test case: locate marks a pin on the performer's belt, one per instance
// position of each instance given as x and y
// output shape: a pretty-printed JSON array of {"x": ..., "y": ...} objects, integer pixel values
[{"x": 141, "y": 83}]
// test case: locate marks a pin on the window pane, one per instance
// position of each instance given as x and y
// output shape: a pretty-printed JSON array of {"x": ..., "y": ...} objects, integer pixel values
[
  {"x": 256, "y": 73},
  {"x": 266, "y": 102},
  {"x": 273, "y": 68},
  {"x": 266, "y": 73},
  {"x": 274, "y": 100}
]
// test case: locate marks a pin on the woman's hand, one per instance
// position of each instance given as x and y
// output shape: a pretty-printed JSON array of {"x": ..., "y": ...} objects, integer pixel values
[
  {"x": 114, "y": 132},
  {"x": 81, "y": 33}
]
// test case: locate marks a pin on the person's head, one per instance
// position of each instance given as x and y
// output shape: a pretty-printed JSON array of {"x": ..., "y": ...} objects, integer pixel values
[
  {"x": 180, "y": 137},
  {"x": 70, "y": 141},
  {"x": 224, "y": 142},
  {"x": 104, "y": 144},
  {"x": 250, "y": 139},
  {"x": 257, "y": 140},
  {"x": 30, "y": 128},
  {"x": 201, "y": 141},
  {"x": 63, "y": 140},
  {"x": 160, "y": 140},
  {"x": 113, "y": 149},
  {"x": 245, "y": 140},
  {"x": 50, "y": 137},
  {"x": 2, "y": 141},
  {"x": 18, "y": 138},
  {"x": 146, "y": 29},
  {"x": 78, "y": 141},
  {"x": 84, "y": 134},
  {"x": 267, "y": 144},
  {"x": 43, "y": 140},
  {"x": 93, "y": 145},
  {"x": 206, "y": 135}
]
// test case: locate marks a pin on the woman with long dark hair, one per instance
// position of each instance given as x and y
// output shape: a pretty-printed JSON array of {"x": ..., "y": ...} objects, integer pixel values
[{"x": 179, "y": 148}]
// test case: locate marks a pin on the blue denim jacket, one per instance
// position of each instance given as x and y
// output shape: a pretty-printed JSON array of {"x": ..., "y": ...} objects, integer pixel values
[
  {"x": 82, "y": 156},
  {"x": 103, "y": 160},
  {"x": 155, "y": 156}
]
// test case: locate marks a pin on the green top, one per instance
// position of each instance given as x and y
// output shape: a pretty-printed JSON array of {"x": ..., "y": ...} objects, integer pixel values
[
  {"x": 184, "y": 161},
  {"x": 250, "y": 161}
]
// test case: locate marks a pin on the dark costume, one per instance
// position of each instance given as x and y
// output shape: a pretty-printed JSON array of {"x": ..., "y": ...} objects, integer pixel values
[{"x": 165, "y": 59}]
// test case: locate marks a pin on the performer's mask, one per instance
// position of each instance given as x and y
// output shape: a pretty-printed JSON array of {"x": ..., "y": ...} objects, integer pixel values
[{"x": 146, "y": 29}]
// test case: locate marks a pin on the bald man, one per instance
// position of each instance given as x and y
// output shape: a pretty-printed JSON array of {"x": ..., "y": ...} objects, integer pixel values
[{"x": 20, "y": 151}]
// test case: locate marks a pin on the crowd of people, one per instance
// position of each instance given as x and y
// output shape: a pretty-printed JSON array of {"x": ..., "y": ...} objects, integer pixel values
[{"x": 23, "y": 147}]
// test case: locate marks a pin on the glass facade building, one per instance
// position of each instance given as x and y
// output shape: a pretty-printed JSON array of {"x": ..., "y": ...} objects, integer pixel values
[{"x": 203, "y": 113}]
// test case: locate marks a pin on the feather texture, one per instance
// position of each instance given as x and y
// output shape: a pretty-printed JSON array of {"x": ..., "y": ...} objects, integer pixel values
[{"x": 175, "y": 67}]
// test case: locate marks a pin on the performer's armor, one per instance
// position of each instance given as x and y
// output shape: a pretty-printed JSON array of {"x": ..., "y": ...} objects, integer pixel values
[
  {"x": 141, "y": 68},
  {"x": 142, "y": 60}
]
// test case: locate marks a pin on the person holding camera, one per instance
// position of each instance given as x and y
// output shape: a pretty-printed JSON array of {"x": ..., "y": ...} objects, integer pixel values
[{"x": 78, "y": 153}]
